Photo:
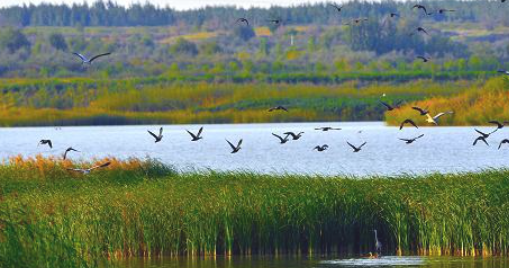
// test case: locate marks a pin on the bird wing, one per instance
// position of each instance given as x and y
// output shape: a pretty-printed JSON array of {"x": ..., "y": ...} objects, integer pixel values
[
  {"x": 83, "y": 58},
  {"x": 441, "y": 114},
  {"x": 240, "y": 143},
  {"x": 423, "y": 30},
  {"x": 50, "y": 144},
  {"x": 480, "y": 132},
  {"x": 418, "y": 109},
  {"x": 362, "y": 145},
  {"x": 499, "y": 125},
  {"x": 153, "y": 135},
  {"x": 279, "y": 137},
  {"x": 351, "y": 145},
  {"x": 76, "y": 169},
  {"x": 283, "y": 108},
  {"x": 386, "y": 105},
  {"x": 407, "y": 140},
  {"x": 231, "y": 145},
  {"x": 420, "y": 136},
  {"x": 161, "y": 131},
  {"x": 200, "y": 131},
  {"x": 291, "y": 134},
  {"x": 100, "y": 55},
  {"x": 190, "y": 133},
  {"x": 100, "y": 166}
]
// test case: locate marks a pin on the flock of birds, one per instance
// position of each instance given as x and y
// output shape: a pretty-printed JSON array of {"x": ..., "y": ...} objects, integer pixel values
[{"x": 287, "y": 136}]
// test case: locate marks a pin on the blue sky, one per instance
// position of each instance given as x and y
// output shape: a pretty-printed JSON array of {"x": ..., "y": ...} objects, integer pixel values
[{"x": 180, "y": 4}]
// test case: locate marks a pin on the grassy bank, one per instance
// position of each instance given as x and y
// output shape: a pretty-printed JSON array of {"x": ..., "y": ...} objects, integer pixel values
[
  {"x": 76, "y": 101},
  {"x": 51, "y": 218}
]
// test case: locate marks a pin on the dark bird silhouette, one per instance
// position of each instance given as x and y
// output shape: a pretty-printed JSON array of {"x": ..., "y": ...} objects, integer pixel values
[
  {"x": 502, "y": 143},
  {"x": 44, "y": 142},
  {"x": 407, "y": 121},
  {"x": 503, "y": 1},
  {"x": 481, "y": 138},
  {"x": 421, "y": 7},
  {"x": 276, "y": 21},
  {"x": 422, "y": 112},
  {"x": 197, "y": 136},
  {"x": 278, "y": 108},
  {"x": 356, "y": 149},
  {"x": 243, "y": 20},
  {"x": 159, "y": 137},
  {"x": 281, "y": 139},
  {"x": 410, "y": 141},
  {"x": 434, "y": 120},
  {"x": 237, "y": 148},
  {"x": 485, "y": 135},
  {"x": 356, "y": 21},
  {"x": 338, "y": 8},
  {"x": 420, "y": 30},
  {"x": 69, "y": 150},
  {"x": 88, "y": 170},
  {"x": 424, "y": 59},
  {"x": 321, "y": 148},
  {"x": 391, "y": 107},
  {"x": 89, "y": 61},
  {"x": 499, "y": 124},
  {"x": 393, "y": 15},
  {"x": 443, "y": 11},
  {"x": 294, "y": 136},
  {"x": 327, "y": 128},
  {"x": 503, "y": 72}
]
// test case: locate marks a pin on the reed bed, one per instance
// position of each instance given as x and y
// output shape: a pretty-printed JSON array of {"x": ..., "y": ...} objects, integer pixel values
[{"x": 52, "y": 218}]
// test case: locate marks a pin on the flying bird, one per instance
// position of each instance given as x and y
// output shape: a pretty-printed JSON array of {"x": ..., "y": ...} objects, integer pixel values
[
  {"x": 391, "y": 107},
  {"x": 44, "y": 142},
  {"x": 69, "y": 150},
  {"x": 421, "y": 7},
  {"x": 424, "y": 59},
  {"x": 321, "y": 148},
  {"x": 421, "y": 111},
  {"x": 419, "y": 30},
  {"x": 503, "y": 72},
  {"x": 237, "y": 148},
  {"x": 281, "y": 139},
  {"x": 85, "y": 60},
  {"x": 338, "y": 8},
  {"x": 392, "y": 15},
  {"x": 499, "y": 124},
  {"x": 278, "y": 108},
  {"x": 88, "y": 170},
  {"x": 356, "y": 149},
  {"x": 481, "y": 138},
  {"x": 485, "y": 135},
  {"x": 410, "y": 141},
  {"x": 327, "y": 128},
  {"x": 243, "y": 20},
  {"x": 434, "y": 120},
  {"x": 159, "y": 137},
  {"x": 294, "y": 136},
  {"x": 502, "y": 143},
  {"x": 197, "y": 136},
  {"x": 442, "y": 11},
  {"x": 276, "y": 21},
  {"x": 407, "y": 121},
  {"x": 356, "y": 21}
]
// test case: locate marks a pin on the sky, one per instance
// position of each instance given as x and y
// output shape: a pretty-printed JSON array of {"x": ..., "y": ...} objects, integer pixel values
[{"x": 178, "y": 4}]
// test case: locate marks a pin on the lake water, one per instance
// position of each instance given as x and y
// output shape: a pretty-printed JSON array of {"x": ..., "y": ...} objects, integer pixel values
[
  {"x": 257, "y": 262},
  {"x": 442, "y": 149}
]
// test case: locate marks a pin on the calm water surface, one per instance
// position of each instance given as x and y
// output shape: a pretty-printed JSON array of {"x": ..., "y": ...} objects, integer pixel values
[
  {"x": 445, "y": 149},
  {"x": 388, "y": 262}
]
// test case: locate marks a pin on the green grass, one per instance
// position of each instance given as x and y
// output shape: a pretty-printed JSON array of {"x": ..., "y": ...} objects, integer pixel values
[{"x": 55, "y": 219}]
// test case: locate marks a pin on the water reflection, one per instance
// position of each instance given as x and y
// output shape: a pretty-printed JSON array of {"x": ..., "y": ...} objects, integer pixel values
[{"x": 303, "y": 262}]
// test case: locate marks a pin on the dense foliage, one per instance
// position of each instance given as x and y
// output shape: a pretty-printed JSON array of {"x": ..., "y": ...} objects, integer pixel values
[{"x": 52, "y": 218}]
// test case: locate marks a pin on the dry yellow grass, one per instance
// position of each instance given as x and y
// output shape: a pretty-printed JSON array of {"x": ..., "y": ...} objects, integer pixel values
[{"x": 193, "y": 37}]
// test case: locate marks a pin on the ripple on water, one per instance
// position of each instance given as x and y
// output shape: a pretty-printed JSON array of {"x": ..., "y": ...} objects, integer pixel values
[{"x": 378, "y": 262}]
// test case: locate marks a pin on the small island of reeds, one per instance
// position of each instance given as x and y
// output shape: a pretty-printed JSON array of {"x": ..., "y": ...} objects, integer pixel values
[{"x": 51, "y": 217}]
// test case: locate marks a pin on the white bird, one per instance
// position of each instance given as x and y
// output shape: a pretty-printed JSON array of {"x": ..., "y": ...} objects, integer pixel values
[
  {"x": 88, "y": 170},
  {"x": 89, "y": 61},
  {"x": 434, "y": 120}
]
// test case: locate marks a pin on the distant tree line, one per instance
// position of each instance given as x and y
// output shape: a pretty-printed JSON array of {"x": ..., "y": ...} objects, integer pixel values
[{"x": 112, "y": 14}]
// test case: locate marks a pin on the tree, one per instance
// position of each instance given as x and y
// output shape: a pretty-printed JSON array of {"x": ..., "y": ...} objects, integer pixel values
[
  {"x": 13, "y": 40},
  {"x": 57, "y": 41},
  {"x": 244, "y": 32},
  {"x": 184, "y": 46}
]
